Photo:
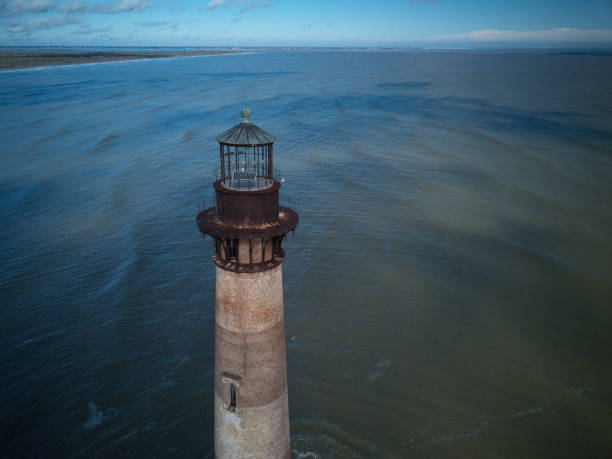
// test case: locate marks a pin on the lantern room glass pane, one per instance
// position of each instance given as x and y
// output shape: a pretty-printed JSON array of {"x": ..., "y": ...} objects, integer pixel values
[{"x": 246, "y": 167}]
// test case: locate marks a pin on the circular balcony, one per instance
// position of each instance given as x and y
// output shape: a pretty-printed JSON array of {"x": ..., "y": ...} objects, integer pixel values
[{"x": 248, "y": 177}]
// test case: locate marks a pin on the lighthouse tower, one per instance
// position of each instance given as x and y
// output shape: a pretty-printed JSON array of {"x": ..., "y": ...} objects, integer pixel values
[{"x": 248, "y": 225}]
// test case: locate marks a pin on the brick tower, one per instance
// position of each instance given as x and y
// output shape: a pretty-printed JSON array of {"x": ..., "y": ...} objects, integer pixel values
[{"x": 248, "y": 226}]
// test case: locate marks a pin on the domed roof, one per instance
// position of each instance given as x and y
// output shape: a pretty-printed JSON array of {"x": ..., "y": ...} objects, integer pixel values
[{"x": 245, "y": 133}]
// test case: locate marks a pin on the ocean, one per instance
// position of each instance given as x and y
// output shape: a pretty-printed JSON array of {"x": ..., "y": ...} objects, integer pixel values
[{"x": 448, "y": 291}]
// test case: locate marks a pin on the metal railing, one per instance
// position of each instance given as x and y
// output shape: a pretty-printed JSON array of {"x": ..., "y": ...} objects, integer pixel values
[
  {"x": 254, "y": 182},
  {"x": 288, "y": 202},
  {"x": 207, "y": 202}
]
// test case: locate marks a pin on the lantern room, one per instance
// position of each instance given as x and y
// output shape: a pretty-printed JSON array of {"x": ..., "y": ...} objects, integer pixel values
[{"x": 246, "y": 156}]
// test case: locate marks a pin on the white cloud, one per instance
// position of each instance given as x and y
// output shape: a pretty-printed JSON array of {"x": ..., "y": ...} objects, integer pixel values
[
  {"x": 112, "y": 7},
  {"x": 74, "y": 7},
  {"x": 133, "y": 5},
  {"x": 215, "y": 3},
  {"x": 29, "y": 6},
  {"x": 42, "y": 23},
  {"x": 547, "y": 36},
  {"x": 19, "y": 18},
  {"x": 244, "y": 4}
]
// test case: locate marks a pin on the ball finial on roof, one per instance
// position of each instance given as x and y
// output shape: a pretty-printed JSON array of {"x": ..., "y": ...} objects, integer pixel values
[
  {"x": 245, "y": 133},
  {"x": 246, "y": 115}
]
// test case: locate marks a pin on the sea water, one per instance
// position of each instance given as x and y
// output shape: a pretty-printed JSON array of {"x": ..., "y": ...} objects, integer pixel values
[{"x": 448, "y": 291}]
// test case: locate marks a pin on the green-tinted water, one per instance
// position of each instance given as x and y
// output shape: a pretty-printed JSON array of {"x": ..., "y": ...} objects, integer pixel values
[{"x": 447, "y": 292}]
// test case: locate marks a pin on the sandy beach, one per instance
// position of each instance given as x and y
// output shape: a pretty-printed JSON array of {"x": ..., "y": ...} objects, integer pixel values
[{"x": 12, "y": 59}]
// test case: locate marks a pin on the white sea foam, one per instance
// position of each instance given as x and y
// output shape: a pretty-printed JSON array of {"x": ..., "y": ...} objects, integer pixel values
[
  {"x": 305, "y": 454},
  {"x": 528, "y": 412},
  {"x": 379, "y": 369},
  {"x": 582, "y": 390},
  {"x": 96, "y": 417}
]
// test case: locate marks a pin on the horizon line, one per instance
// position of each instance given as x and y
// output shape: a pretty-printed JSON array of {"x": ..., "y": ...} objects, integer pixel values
[{"x": 480, "y": 47}]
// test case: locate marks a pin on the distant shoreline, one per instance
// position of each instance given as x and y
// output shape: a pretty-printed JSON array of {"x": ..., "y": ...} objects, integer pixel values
[{"x": 16, "y": 59}]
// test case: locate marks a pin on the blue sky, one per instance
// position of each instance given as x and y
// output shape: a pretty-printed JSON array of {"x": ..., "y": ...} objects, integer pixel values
[{"x": 424, "y": 23}]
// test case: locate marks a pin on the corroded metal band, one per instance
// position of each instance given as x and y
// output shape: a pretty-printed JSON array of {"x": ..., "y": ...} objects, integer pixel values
[
  {"x": 247, "y": 208},
  {"x": 259, "y": 358},
  {"x": 209, "y": 223},
  {"x": 228, "y": 265}
]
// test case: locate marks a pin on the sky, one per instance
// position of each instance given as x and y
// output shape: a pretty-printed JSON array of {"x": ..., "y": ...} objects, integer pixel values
[{"x": 344, "y": 23}]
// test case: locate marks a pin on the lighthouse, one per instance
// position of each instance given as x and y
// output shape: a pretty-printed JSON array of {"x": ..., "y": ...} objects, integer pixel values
[{"x": 248, "y": 226}]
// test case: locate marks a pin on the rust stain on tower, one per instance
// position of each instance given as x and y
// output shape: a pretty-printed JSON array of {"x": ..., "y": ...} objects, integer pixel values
[{"x": 248, "y": 227}]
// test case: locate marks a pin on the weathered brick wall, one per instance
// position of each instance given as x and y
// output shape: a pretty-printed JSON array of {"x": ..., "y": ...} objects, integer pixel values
[{"x": 250, "y": 347}]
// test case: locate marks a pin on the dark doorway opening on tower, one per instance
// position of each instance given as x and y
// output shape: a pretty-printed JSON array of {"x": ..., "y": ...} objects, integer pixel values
[
  {"x": 233, "y": 249},
  {"x": 231, "y": 384},
  {"x": 232, "y": 403}
]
